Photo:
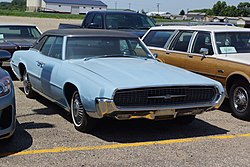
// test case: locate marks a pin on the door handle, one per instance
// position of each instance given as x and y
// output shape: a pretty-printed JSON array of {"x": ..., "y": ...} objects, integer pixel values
[
  {"x": 190, "y": 56},
  {"x": 40, "y": 64},
  {"x": 221, "y": 71}
]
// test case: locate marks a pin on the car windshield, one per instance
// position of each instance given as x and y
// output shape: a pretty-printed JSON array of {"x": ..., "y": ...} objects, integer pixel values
[
  {"x": 13, "y": 32},
  {"x": 233, "y": 42},
  {"x": 93, "y": 47},
  {"x": 128, "y": 21}
]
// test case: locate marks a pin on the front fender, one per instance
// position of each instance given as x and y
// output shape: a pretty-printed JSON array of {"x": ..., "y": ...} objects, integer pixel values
[{"x": 89, "y": 88}]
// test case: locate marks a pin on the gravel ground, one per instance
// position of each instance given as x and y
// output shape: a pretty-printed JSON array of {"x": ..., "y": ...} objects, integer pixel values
[{"x": 45, "y": 136}]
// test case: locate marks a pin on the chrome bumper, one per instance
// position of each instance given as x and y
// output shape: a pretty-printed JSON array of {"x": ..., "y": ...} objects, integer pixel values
[{"x": 107, "y": 107}]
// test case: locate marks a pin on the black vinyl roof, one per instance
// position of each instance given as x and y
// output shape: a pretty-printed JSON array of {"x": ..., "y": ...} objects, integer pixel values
[{"x": 89, "y": 33}]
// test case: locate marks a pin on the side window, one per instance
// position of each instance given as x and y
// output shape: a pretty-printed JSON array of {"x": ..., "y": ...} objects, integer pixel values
[
  {"x": 203, "y": 40},
  {"x": 182, "y": 41},
  {"x": 35, "y": 33},
  {"x": 98, "y": 20},
  {"x": 47, "y": 45},
  {"x": 158, "y": 38},
  {"x": 56, "y": 48}
]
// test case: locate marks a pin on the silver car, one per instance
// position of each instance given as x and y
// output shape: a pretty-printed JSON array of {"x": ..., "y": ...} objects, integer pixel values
[{"x": 7, "y": 101}]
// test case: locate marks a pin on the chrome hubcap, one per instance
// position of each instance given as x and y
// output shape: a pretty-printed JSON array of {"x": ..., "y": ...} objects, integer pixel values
[
  {"x": 240, "y": 99},
  {"x": 77, "y": 111}
]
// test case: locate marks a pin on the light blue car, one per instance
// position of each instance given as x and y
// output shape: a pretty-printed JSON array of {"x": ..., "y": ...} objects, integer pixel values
[
  {"x": 7, "y": 101},
  {"x": 99, "y": 73}
]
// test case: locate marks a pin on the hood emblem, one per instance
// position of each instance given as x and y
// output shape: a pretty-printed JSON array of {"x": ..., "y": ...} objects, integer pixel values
[{"x": 167, "y": 97}]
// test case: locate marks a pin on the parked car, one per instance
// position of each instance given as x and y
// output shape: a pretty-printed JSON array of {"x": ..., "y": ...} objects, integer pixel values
[
  {"x": 132, "y": 22},
  {"x": 100, "y": 73},
  {"x": 7, "y": 101},
  {"x": 219, "y": 52},
  {"x": 17, "y": 37}
]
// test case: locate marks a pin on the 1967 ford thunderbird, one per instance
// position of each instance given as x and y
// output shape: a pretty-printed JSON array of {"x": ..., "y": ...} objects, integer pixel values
[{"x": 99, "y": 73}]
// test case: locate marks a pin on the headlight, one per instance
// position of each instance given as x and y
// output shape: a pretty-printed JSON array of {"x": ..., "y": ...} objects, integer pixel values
[{"x": 5, "y": 86}]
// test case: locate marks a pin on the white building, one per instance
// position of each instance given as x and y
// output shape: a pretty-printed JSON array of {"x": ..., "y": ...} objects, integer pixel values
[{"x": 65, "y": 6}]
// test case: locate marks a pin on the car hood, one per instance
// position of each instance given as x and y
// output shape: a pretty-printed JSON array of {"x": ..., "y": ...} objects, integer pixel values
[
  {"x": 137, "y": 72},
  {"x": 17, "y": 43}
]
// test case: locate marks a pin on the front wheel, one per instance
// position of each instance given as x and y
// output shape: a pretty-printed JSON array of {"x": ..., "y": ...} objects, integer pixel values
[
  {"x": 27, "y": 87},
  {"x": 239, "y": 98},
  {"x": 80, "y": 118}
]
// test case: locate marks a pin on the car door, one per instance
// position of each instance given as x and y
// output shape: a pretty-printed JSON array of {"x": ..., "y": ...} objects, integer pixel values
[
  {"x": 34, "y": 66},
  {"x": 176, "y": 53},
  {"x": 51, "y": 62},
  {"x": 201, "y": 58}
]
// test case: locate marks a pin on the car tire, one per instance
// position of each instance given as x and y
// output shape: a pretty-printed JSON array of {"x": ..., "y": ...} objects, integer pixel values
[
  {"x": 81, "y": 120},
  {"x": 185, "y": 120},
  {"x": 239, "y": 99},
  {"x": 27, "y": 87}
]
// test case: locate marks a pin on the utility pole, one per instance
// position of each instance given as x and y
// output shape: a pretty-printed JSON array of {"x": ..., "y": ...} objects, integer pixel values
[
  {"x": 158, "y": 8},
  {"x": 115, "y": 4},
  {"x": 129, "y": 5}
]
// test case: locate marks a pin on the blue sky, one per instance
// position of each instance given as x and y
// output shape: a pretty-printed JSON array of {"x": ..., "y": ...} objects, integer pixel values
[{"x": 172, "y": 6}]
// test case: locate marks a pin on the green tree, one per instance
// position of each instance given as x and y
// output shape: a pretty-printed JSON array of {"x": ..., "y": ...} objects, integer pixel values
[
  {"x": 230, "y": 11},
  {"x": 18, "y": 4},
  {"x": 244, "y": 9},
  {"x": 218, "y": 7},
  {"x": 182, "y": 12}
]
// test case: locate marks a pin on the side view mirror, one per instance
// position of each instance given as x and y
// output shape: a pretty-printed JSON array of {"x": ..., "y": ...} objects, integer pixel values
[
  {"x": 4, "y": 55},
  {"x": 204, "y": 52},
  {"x": 93, "y": 25},
  {"x": 155, "y": 55}
]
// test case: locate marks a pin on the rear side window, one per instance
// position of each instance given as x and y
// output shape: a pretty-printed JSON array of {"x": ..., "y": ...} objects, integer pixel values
[
  {"x": 158, "y": 38},
  {"x": 182, "y": 41}
]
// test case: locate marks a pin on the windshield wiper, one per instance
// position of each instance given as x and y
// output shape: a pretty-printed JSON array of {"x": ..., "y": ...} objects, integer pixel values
[
  {"x": 126, "y": 27},
  {"x": 106, "y": 56},
  {"x": 96, "y": 57}
]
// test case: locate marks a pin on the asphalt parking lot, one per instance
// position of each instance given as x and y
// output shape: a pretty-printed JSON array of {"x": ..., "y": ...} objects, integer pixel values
[{"x": 45, "y": 136}]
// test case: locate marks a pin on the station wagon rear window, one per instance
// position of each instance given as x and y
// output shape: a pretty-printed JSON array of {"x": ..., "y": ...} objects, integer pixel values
[{"x": 232, "y": 42}]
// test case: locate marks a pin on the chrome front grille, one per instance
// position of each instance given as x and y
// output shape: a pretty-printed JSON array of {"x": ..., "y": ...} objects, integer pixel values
[{"x": 164, "y": 96}]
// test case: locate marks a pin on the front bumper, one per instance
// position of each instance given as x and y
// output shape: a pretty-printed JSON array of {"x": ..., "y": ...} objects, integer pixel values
[
  {"x": 7, "y": 115},
  {"x": 107, "y": 107}
]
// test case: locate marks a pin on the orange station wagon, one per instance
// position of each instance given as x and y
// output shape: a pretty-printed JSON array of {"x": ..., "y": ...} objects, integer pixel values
[{"x": 218, "y": 52}]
